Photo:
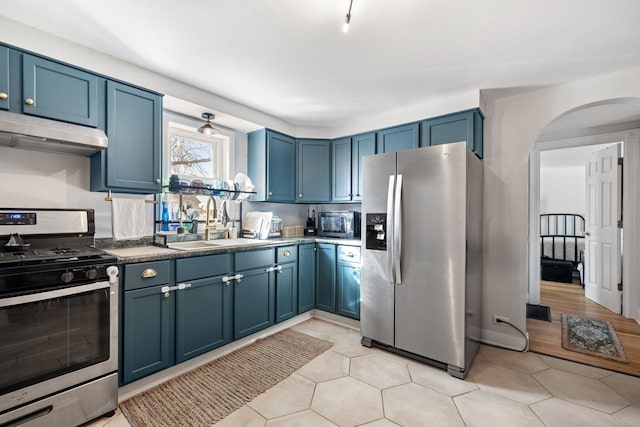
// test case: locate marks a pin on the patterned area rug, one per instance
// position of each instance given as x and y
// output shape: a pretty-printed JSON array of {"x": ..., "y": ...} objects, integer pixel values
[
  {"x": 592, "y": 336},
  {"x": 209, "y": 393}
]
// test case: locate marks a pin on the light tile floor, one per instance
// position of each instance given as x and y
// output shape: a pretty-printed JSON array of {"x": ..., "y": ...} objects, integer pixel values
[{"x": 351, "y": 385}]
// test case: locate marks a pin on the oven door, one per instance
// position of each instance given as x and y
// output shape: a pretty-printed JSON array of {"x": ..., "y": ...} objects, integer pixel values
[{"x": 54, "y": 340}]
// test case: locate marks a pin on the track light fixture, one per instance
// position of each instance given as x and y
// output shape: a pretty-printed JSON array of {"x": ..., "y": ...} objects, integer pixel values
[
  {"x": 347, "y": 18},
  {"x": 207, "y": 128}
]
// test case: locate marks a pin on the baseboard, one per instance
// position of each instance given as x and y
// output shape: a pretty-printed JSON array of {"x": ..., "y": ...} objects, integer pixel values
[
  {"x": 347, "y": 322},
  {"x": 504, "y": 340}
]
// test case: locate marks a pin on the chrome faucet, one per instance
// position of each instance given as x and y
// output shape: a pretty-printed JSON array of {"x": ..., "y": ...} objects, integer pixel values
[{"x": 207, "y": 226}]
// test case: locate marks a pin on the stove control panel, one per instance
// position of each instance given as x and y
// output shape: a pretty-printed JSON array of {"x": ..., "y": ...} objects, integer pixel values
[{"x": 17, "y": 218}]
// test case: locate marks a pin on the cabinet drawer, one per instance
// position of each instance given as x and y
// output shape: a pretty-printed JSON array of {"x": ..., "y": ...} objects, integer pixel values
[
  {"x": 203, "y": 266},
  {"x": 286, "y": 254},
  {"x": 146, "y": 274},
  {"x": 349, "y": 253},
  {"x": 254, "y": 259}
]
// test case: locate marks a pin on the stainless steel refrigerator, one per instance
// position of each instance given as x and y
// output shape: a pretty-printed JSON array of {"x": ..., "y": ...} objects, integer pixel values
[{"x": 421, "y": 283}]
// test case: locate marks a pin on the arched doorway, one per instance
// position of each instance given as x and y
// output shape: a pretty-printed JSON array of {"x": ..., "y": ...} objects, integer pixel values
[{"x": 603, "y": 122}]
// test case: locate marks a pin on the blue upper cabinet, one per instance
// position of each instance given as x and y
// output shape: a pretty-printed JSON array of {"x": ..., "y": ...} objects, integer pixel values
[
  {"x": 314, "y": 171},
  {"x": 57, "y": 91},
  {"x": 271, "y": 166},
  {"x": 398, "y": 138},
  {"x": 463, "y": 126},
  {"x": 4, "y": 78},
  {"x": 341, "y": 170},
  {"x": 132, "y": 161},
  {"x": 362, "y": 145}
]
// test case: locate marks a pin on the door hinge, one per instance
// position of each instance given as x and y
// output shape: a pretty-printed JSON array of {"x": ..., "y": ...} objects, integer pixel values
[
  {"x": 620, "y": 286},
  {"x": 620, "y": 224},
  {"x": 620, "y": 161}
]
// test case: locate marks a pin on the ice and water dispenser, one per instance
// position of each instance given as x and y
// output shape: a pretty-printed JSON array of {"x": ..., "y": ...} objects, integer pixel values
[{"x": 376, "y": 224}]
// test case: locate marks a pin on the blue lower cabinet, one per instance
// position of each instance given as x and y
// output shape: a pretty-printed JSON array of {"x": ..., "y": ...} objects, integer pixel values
[
  {"x": 148, "y": 327},
  {"x": 204, "y": 319},
  {"x": 253, "y": 302},
  {"x": 348, "y": 295},
  {"x": 286, "y": 277},
  {"x": 326, "y": 277},
  {"x": 306, "y": 277}
]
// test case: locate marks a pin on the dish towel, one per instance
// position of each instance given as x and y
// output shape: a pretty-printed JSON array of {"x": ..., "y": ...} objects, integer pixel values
[{"x": 128, "y": 218}]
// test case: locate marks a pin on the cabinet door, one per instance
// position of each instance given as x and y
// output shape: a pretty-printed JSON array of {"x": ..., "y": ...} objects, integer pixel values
[
  {"x": 4, "y": 78},
  {"x": 348, "y": 290},
  {"x": 59, "y": 92},
  {"x": 203, "y": 317},
  {"x": 341, "y": 170},
  {"x": 148, "y": 332},
  {"x": 253, "y": 302},
  {"x": 281, "y": 168},
  {"x": 132, "y": 160},
  {"x": 306, "y": 277},
  {"x": 326, "y": 278},
  {"x": 362, "y": 145},
  {"x": 314, "y": 170},
  {"x": 286, "y": 291},
  {"x": 463, "y": 126},
  {"x": 398, "y": 138}
]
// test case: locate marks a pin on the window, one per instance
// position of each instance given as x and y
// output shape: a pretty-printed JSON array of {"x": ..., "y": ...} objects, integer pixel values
[
  {"x": 195, "y": 156},
  {"x": 191, "y": 155}
]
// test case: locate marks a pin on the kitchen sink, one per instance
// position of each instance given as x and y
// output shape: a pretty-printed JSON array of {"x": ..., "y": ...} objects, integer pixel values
[
  {"x": 192, "y": 246},
  {"x": 209, "y": 244}
]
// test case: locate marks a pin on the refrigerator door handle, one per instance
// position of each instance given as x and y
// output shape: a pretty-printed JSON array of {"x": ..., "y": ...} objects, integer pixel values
[
  {"x": 390, "y": 230},
  {"x": 397, "y": 231}
]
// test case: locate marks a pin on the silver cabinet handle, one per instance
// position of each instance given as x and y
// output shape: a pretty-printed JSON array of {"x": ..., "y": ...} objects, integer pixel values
[
  {"x": 586, "y": 233},
  {"x": 3, "y": 95},
  {"x": 237, "y": 277},
  {"x": 180, "y": 287},
  {"x": 29, "y": 101}
]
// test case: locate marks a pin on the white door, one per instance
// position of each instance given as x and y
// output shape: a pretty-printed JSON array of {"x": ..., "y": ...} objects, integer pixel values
[{"x": 602, "y": 236}]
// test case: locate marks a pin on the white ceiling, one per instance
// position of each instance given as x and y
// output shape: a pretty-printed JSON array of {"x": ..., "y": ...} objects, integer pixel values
[{"x": 290, "y": 58}]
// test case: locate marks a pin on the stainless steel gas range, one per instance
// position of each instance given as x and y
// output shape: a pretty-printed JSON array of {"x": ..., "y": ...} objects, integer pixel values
[{"x": 58, "y": 319}]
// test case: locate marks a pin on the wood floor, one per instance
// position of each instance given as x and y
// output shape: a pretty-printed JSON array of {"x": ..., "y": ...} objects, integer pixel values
[{"x": 545, "y": 337}]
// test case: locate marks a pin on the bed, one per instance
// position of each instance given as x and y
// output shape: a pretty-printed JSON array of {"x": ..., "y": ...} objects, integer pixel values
[{"x": 561, "y": 246}]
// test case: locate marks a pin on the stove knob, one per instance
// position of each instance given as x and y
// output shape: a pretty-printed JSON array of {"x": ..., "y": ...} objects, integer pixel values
[
  {"x": 67, "y": 276},
  {"x": 91, "y": 273}
]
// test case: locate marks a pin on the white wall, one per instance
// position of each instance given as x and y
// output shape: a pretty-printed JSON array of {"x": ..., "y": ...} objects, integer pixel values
[
  {"x": 33, "y": 179},
  {"x": 512, "y": 125},
  {"x": 562, "y": 190}
]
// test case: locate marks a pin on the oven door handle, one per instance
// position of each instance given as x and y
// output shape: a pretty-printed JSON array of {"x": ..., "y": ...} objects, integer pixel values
[{"x": 58, "y": 293}]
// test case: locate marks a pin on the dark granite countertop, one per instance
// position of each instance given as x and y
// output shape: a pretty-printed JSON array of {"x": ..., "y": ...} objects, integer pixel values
[{"x": 147, "y": 253}]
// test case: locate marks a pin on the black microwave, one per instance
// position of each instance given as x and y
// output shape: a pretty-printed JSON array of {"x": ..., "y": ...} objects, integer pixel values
[{"x": 345, "y": 225}]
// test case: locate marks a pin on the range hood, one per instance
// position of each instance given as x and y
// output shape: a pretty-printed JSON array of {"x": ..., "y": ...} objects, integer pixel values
[{"x": 35, "y": 133}]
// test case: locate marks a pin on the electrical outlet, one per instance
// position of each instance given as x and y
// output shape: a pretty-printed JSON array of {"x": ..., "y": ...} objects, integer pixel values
[{"x": 499, "y": 319}]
